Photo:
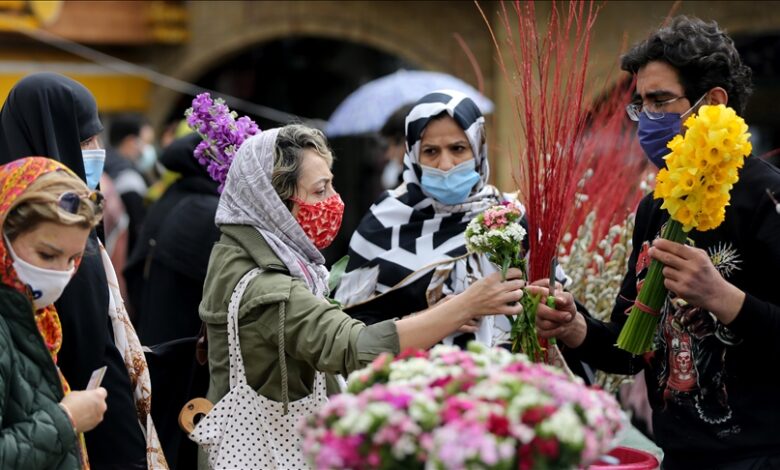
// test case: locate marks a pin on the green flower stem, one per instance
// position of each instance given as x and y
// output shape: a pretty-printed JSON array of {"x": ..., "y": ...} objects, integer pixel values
[
  {"x": 523, "y": 335},
  {"x": 638, "y": 333},
  {"x": 505, "y": 267},
  {"x": 551, "y": 304}
]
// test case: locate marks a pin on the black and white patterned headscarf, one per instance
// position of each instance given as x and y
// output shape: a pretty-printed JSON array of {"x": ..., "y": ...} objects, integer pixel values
[{"x": 407, "y": 230}]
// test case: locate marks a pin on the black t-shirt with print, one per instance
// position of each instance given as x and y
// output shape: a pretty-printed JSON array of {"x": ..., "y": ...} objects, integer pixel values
[{"x": 714, "y": 389}]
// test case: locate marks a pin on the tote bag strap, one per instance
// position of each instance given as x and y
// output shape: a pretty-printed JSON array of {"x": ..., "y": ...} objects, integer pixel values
[
  {"x": 320, "y": 387},
  {"x": 237, "y": 371}
]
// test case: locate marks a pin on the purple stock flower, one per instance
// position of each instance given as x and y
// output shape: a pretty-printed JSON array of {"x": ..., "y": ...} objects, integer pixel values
[{"x": 222, "y": 134}]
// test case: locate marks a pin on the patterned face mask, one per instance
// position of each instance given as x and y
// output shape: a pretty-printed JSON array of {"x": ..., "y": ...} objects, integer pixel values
[{"x": 320, "y": 221}]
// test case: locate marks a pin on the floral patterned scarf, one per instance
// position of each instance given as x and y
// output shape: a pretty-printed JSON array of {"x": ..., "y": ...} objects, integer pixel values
[{"x": 15, "y": 177}]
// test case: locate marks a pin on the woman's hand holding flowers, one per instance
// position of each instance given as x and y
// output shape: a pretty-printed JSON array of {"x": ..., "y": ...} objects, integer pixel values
[
  {"x": 488, "y": 296},
  {"x": 492, "y": 296}
]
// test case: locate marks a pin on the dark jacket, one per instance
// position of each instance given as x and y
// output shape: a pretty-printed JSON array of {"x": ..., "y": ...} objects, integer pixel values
[
  {"x": 172, "y": 254},
  {"x": 35, "y": 432}
]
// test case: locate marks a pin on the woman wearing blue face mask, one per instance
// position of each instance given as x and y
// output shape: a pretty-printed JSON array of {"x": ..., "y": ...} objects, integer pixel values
[
  {"x": 49, "y": 114},
  {"x": 409, "y": 251}
]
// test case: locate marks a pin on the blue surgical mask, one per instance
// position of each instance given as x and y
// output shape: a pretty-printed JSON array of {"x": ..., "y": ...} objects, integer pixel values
[
  {"x": 654, "y": 134},
  {"x": 452, "y": 186},
  {"x": 94, "y": 159}
]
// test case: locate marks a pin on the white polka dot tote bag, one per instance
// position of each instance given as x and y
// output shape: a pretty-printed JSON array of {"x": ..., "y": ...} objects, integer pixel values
[{"x": 246, "y": 430}]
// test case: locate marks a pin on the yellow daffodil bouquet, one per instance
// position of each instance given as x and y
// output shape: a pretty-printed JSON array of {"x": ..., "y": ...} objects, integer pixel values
[{"x": 695, "y": 185}]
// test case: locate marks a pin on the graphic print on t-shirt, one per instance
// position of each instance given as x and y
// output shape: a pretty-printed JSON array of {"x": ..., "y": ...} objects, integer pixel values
[{"x": 691, "y": 347}]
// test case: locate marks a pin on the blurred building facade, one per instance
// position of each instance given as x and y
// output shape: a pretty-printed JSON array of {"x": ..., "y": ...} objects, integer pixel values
[{"x": 304, "y": 57}]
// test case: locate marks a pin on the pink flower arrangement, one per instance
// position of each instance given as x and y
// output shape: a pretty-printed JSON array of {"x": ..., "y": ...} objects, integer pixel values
[
  {"x": 453, "y": 409},
  {"x": 499, "y": 234},
  {"x": 498, "y": 216}
]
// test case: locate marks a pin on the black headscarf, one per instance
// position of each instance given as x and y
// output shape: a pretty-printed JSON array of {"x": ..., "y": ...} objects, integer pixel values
[{"x": 49, "y": 115}]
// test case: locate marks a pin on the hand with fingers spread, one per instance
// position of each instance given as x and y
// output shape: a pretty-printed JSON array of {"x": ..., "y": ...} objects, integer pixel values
[
  {"x": 690, "y": 274},
  {"x": 562, "y": 321}
]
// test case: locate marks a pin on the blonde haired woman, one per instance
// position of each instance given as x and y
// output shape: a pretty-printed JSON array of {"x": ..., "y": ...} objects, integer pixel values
[{"x": 46, "y": 213}]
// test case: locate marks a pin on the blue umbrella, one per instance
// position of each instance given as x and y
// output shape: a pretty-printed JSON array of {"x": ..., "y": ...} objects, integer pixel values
[{"x": 367, "y": 108}]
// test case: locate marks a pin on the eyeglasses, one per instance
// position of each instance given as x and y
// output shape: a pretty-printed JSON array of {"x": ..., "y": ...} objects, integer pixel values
[
  {"x": 71, "y": 201},
  {"x": 653, "y": 111}
]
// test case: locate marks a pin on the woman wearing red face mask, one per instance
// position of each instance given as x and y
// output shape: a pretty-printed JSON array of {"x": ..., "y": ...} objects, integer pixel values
[{"x": 278, "y": 208}]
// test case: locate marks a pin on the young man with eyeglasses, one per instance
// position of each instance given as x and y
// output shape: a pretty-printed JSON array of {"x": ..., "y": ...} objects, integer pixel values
[{"x": 713, "y": 379}]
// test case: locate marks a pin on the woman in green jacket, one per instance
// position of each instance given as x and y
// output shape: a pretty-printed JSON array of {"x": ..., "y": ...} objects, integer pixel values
[
  {"x": 46, "y": 214},
  {"x": 278, "y": 208}
]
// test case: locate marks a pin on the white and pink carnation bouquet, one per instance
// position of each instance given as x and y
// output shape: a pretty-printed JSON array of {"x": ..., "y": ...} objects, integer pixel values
[
  {"x": 498, "y": 234},
  {"x": 453, "y": 409}
]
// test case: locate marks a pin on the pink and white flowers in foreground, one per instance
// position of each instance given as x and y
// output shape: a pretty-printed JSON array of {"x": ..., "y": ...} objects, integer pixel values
[{"x": 453, "y": 409}]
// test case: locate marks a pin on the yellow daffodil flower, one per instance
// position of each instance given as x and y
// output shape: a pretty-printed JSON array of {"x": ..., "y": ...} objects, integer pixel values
[{"x": 702, "y": 167}]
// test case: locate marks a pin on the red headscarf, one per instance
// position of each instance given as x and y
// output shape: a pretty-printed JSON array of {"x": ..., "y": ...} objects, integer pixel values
[{"x": 15, "y": 178}]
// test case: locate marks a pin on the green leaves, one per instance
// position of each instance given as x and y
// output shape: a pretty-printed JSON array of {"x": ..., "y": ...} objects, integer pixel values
[{"x": 336, "y": 272}]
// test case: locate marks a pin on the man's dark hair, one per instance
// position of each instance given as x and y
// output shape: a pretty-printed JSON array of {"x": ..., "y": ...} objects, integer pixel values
[
  {"x": 394, "y": 128},
  {"x": 704, "y": 56},
  {"x": 122, "y": 126}
]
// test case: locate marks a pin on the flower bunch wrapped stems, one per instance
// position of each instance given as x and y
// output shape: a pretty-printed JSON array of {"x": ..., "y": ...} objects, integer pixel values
[
  {"x": 695, "y": 186},
  {"x": 453, "y": 409},
  {"x": 498, "y": 234}
]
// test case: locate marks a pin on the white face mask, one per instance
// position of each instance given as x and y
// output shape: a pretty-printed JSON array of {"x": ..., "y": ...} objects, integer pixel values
[{"x": 46, "y": 284}]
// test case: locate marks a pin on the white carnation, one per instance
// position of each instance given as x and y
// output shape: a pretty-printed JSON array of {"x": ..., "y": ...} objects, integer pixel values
[{"x": 565, "y": 425}]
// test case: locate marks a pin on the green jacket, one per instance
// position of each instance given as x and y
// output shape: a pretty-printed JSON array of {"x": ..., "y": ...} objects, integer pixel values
[
  {"x": 318, "y": 336},
  {"x": 35, "y": 433}
]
